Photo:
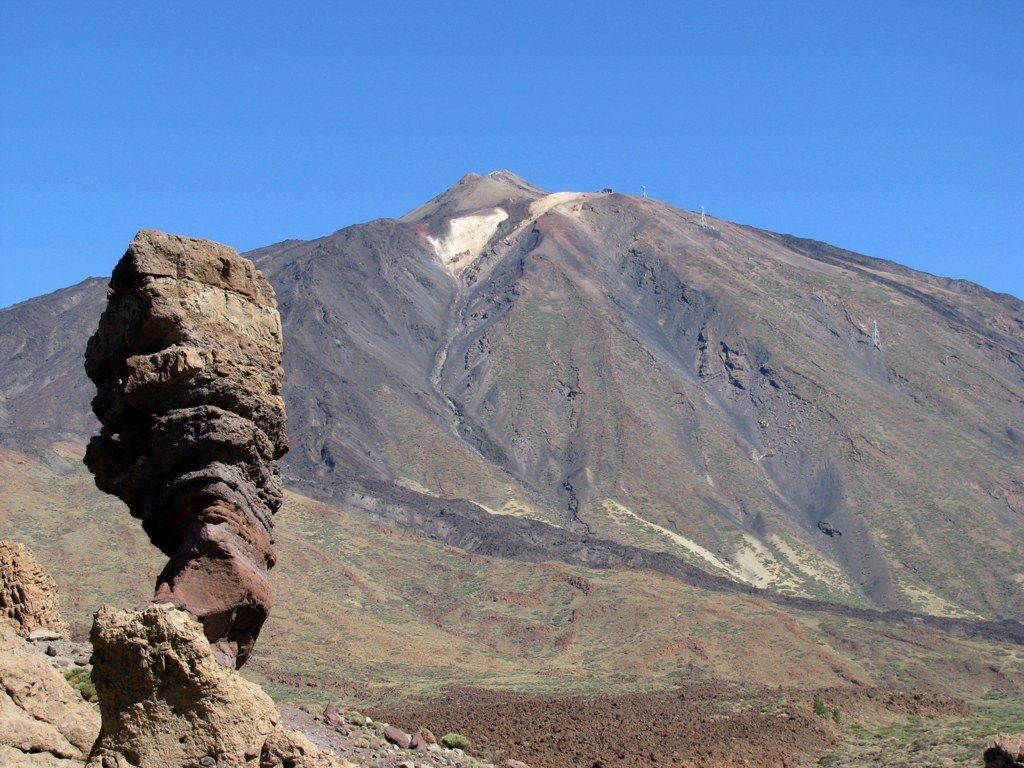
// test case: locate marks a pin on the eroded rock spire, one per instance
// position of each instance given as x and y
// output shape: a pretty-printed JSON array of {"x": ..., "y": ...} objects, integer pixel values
[{"x": 187, "y": 367}]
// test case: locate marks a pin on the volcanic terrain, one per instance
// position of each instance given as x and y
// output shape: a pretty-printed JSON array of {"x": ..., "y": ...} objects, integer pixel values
[{"x": 584, "y": 443}]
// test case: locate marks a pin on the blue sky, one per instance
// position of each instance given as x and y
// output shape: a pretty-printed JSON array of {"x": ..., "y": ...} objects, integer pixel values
[{"x": 892, "y": 129}]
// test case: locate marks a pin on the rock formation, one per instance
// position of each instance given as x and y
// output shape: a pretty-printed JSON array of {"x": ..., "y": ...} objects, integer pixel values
[
  {"x": 165, "y": 701},
  {"x": 44, "y": 722},
  {"x": 1005, "y": 751},
  {"x": 187, "y": 367},
  {"x": 28, "y": 596}
]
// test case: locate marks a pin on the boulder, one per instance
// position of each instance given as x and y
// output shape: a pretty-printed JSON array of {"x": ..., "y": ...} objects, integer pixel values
[
  {"x": 187, "y": 367},
  {"x": 332, "y": 717},
  {"x": 397, "y": 736},
  {"x": 28, "y": 596},
  {"x": 165, "y": 701},
  {"x": 1005, "y": 751},
  {"x": 43, "y": 720},
  {"x": 44, "y": 636}
]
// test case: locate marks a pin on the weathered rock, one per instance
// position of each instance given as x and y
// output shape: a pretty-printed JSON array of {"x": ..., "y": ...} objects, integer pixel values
[
  {"x": 427, "y": 735},
  {"x": 332, "y": 717},
  {"x": 1005, "y": 751},
  {"x": 397, "y": 736},
  {"x": 418, "y": 742},
  {"x": 43, "y": 720},
  {"x": 285, "y": 749},
  {"x": 44, "y": 635},
  {"x": 28, "y": 596},
  {"x": 187, "y": 367},
  {"x": 165, "y": 701},
  {"x": 510, "y": 763}
]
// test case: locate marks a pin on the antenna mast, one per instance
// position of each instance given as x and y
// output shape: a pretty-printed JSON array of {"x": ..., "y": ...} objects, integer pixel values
[
  {"x": 876, "y": 340},
  {"x": 644, "y": 188},
  {"x": 703, "y": 221}
]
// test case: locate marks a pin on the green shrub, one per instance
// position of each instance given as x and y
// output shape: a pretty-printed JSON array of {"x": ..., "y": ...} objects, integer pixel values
[
  {"x": 819, "y": 707},
  {"x": 81, "y": 681},
  {"x": 455, "y": 741},
  {"x": 836, "y": 716}
]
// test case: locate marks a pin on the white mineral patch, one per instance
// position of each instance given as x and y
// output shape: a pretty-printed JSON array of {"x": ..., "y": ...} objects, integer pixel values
[
  {"x": 539, "y": 207},
  {"x": 467, "y": 238},
  {"x": 622, "y": 514}
]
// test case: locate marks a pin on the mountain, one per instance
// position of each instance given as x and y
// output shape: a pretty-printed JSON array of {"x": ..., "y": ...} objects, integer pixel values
[{"x": 606, "y": 379}]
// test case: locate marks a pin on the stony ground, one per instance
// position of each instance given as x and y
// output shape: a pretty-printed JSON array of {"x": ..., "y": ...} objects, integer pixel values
[
  {"x": 699, "y": 725},
  {"x": 695, "y": 726},
  {"x": 364, "y": 741}
]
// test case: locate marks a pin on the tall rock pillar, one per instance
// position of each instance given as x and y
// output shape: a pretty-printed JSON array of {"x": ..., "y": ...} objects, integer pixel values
[{"x": 187, "y": 367}]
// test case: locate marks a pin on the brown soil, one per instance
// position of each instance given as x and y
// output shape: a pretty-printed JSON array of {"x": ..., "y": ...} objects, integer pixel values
[{"x": 695, "y": 726}]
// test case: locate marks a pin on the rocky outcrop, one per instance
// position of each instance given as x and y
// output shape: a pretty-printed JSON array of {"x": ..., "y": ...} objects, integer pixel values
[
  {"x": 1005, "y": 751},
  {"x": 165, "y": 701},
  {"x": 44, "y": 722},
  {"x": 28, "y": 596},
  {"x": 187, "y": 367}
]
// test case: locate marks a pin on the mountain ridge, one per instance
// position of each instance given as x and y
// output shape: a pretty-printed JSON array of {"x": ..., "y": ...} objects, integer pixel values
[{"x": 606, "y": 364}]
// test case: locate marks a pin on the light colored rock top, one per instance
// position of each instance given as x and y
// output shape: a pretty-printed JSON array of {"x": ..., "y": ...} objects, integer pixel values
[
  {"x": 165, "y": 701},
  {"x": 159, "y": 254}
]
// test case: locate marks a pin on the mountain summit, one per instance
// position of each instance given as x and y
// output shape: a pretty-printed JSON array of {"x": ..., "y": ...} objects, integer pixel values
[{"x": 608, "y": 378}]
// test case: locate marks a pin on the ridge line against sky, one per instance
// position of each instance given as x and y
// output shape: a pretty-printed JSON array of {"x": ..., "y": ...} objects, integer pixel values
[{"x": 891, "y": 130}]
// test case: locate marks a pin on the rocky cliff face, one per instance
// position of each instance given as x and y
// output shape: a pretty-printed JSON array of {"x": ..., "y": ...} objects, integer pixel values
[
  {"x": 187, "y": 367},
  {"x": 28, "y": 596}
]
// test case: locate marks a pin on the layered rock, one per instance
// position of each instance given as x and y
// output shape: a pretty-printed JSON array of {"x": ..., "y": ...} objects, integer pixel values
[
  {"x": 187, "y": 367},
  {"x": 165, "y": 701},
  {"x": 28, "y": 596},
  {"x": 44, "y": 722}
]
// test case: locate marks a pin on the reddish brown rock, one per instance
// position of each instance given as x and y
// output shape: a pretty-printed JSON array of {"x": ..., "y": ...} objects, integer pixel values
[
  {"x": 187, "y": 367},
  {"x": 397, "y": 736},
  {"x": 28, "y": 596},
  {"x": 332, "y": 717},
  {"x": 510, "y": 763},
  {"x": 427, "y": 735}
]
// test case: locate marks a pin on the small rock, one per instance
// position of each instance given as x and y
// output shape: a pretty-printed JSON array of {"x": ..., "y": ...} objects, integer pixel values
[
  {"x": 427, "y": 736},
  {"x": 83, "y": 661},
  {"x": 510, "y": 763},
  {"x": 51, "y": 650},
  {"x": 332, "y": 716},
  {"x": 397, "y": 736},
  {"x": 207, "y": 761},
  {"x": 406, "y": 764},
  {"x": 44, "y": 635},
  {"x": 418, "y": 742}
]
